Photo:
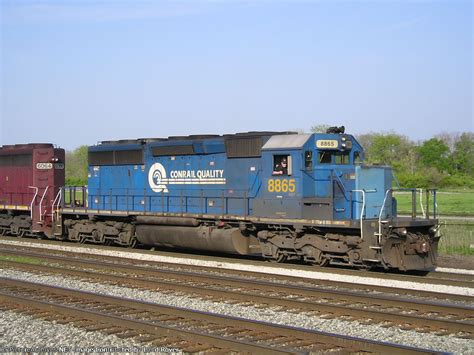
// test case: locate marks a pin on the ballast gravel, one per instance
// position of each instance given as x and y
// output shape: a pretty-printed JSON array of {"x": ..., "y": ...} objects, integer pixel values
[
  {"x": 444, "y": 343},
  {"x": 24, "y": 334},
  {"x": 318, "y": 275}
]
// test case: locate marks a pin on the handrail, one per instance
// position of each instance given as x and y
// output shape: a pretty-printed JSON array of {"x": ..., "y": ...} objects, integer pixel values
[
  {"x": 361, "y": 213},
  {"x": 56, "y": 199},
  {"x": 41, "y": 203},
  {"x": 341, "y": 183},
  {"x": 421, "y": 202},
  {"x": 414, "y": 192},
  {"x": 380, "y": 214},
  {"x": 33, "y": 200},
  {"x": 254, "y": 184}
]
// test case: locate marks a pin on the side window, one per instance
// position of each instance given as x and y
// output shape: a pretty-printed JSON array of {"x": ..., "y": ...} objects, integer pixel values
[
  {"x": 281, "y": 165},
  {"x": 308, "y": 160},
  {"x": 325, "y": 157},
  {"x": 342, "y": 158},
  {"x": 357, "y": 159}
]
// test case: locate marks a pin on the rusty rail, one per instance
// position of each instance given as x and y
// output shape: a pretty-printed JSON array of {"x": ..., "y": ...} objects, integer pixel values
[{"x": 224, "y": 332}]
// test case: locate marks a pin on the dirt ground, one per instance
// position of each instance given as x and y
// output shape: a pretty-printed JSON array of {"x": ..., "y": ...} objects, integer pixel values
[{"x": 456, "y": 261}]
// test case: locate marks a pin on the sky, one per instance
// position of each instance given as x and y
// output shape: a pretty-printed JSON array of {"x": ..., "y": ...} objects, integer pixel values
[{"x": 76, "y": 72}]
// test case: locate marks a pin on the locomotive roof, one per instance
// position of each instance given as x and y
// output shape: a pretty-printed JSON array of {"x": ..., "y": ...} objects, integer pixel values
[
  {"x": 23, "y": 148},
  {"x": 287, "y": 141},
  {"x": 197, "y": 137}
]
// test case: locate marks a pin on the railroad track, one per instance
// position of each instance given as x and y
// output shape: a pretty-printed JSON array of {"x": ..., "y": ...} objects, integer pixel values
[
  {"x": 384, "y": 309},
  {"x": 455, "y": 280},
  {"x": 434, "y": 277},
  {"x": 188, "y": 330}
]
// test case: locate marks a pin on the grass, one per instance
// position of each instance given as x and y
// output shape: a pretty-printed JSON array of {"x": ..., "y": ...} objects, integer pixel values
[
  {"x": 454, "y": 203},
  {"x": 457, "y": 237},
  {"x": 21, "y": 259}
]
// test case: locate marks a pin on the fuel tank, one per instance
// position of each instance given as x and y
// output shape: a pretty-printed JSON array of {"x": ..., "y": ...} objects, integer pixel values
[{"x": 229, "y": 240}]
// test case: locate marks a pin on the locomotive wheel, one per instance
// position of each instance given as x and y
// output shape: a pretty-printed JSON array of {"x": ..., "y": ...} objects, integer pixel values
[
  {"x": 280, "y": 258},
  {"x": 323, "y": 262},
  {"x": 315, "y": 256},
  {"x": 133, "y": 243}
]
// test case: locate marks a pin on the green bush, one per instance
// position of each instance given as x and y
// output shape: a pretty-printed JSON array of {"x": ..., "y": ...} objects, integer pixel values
[
  {"x": 411, "y": 180},
  {"x": 457, "y": 181},
  {"x": 72, "y": 181}
]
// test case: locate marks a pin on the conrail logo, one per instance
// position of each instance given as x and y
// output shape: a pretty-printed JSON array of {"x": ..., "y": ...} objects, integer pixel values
[
  {"x": 158, "y": 180},
  {"x": 156, "y": 177}
]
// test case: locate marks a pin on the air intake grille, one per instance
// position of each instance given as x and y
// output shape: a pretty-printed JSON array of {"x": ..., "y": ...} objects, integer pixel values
[
  {"x": 16, "y": 160},
  {"x": 117, "y": 157},
  {"x": 244, "y": 147},
  {"x": 173, "y": 150}
]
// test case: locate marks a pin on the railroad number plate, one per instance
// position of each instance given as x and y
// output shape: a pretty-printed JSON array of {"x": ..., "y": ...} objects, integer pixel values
[
  {"x": 281, "y": 185},
  {"x": 44, "y": 166},
  {"x": 327, "y": 144}
]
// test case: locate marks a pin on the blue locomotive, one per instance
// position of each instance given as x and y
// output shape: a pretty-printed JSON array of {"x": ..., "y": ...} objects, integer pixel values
[{"x": 281, "y": 195}]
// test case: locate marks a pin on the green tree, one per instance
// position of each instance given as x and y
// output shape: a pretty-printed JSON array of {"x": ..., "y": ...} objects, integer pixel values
[
  {"x": 76, "y": 166},
  {"x": 434, "y": 153},
  {"x": 391, "y": 149},
  {"x": 463, "y": 155}
]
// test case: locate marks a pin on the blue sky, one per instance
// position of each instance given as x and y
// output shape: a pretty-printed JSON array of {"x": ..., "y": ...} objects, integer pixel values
[{"x": 77, "y": 72}]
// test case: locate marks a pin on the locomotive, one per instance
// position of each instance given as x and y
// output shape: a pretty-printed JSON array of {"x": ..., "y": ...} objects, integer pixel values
[{"x": 281, "y": 195}]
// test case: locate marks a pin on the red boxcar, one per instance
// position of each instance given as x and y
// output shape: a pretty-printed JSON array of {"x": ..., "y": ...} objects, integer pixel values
[{"x": 31, "y": 176}]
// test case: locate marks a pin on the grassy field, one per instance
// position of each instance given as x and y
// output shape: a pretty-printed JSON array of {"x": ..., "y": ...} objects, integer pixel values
[
  {"x": 457, "y": 237},
  {"x": 454, "y": 203}
]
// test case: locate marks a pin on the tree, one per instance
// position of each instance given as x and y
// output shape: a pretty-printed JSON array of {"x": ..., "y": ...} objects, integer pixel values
[
  {"x": 434, "y": 153},
  {"x": 366, "y": 140},
  {"x": 449, "y": 139},
  {"x": 76, "y": 166},
  {"x": 463, "y": 155},
  {"x": 391, "y": 149}
]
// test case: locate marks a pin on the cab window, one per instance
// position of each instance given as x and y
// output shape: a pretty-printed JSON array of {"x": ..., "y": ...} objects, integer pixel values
[
  {"x": 357, "y": 158},
  {"x": 342, "y": 158},
  {"x": 281, "y": 165},
  {"x": 325, "y": 157}
]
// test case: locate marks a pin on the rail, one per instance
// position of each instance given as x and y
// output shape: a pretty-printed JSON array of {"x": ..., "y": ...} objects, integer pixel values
[
  {"x": 33, "y": 200},
  {"x": 428, "y": 193},
  {"x": 57, "y": 201},
  {"x": 340, "y": 183},
  {"x": 413, "y": 192},
  {"x": 137, "y": 200},
  {"x": 74, "y": 196},
  {"x": 41, "y": 203},
  {"x": 379, "y": 234},
  {"x": 361, "y": 212}
]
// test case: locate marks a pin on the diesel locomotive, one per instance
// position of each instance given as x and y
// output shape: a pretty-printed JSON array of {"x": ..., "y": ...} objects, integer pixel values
[{"x": 281, "y": 195}]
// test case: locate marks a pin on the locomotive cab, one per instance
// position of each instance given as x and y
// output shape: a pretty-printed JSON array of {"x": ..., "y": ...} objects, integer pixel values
[{"x": 309, "y": 176}]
